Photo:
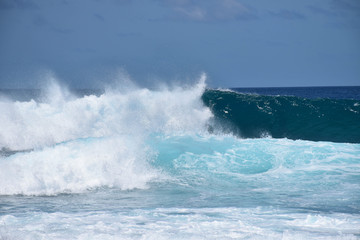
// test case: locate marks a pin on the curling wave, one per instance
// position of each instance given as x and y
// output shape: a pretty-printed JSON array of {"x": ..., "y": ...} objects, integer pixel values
[{"x": 254, "y": 116}]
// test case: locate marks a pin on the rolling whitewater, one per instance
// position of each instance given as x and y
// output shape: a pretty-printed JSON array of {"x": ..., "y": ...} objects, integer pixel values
[{"x": 181, "y": 162}]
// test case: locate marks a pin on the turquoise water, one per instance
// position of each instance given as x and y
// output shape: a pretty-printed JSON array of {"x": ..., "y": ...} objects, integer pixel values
[{"x": 141, "y": 164}]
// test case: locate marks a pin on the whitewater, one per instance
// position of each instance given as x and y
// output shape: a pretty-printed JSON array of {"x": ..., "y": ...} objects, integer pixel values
[{"x": 178, "y": 162}]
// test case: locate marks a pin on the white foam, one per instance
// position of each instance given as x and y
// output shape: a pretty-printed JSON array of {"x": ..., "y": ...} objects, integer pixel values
[
  {"x": 77, "y": 166},
  {"x": 93, "y": 141},
  {"x": 178, "y": 223},
  {"x": 27, "y": 125}
]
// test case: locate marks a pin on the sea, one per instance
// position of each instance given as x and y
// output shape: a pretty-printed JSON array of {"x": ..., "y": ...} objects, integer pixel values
[{"x": 180, "y": 162}]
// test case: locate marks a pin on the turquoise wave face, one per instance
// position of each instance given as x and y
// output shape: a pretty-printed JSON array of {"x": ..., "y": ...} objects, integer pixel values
[
  {"x": 226, "y": 171},
  {"x": 253, "y": 116},
  {"x": 184, "y": 186},
  {"x": 194, "y": 171}
]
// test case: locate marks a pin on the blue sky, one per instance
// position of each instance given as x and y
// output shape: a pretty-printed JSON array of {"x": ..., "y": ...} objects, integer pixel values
[{"x": 238, "y": 43}]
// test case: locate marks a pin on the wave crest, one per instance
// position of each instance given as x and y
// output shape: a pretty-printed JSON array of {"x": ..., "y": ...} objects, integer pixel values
[{"x": 73, "y": 144}]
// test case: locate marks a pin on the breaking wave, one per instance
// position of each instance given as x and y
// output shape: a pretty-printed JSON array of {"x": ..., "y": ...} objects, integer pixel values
[
  {"x": 187, "y": 136},
  {"x": 254, "y": 116}
]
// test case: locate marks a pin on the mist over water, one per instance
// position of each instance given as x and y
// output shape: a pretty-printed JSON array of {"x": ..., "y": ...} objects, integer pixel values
[
  {"x": 176, "y": 162},
  {"x": 91, "y": 141}
]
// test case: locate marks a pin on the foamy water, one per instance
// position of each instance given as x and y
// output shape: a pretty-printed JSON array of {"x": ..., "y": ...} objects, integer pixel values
[{"x": 147, "y": 164}]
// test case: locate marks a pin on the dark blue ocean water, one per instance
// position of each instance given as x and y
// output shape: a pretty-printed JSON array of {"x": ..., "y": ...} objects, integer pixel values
[
  {"x": 341, "y": 92},
  {"x": 179, "y": 163},
  {"x": 316, "y": 114}
]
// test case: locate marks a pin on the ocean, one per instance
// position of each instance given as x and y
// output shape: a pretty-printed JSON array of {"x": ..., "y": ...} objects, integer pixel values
[{"x": 186, "y": 162}]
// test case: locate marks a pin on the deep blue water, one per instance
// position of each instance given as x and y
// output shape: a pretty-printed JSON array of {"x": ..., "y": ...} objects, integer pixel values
[
  {"x": 288, "y": 113},
  {"x": 340, "y": 92}
]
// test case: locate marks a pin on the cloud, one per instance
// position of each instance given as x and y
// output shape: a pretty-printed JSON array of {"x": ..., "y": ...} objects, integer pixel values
[
  {"x": 99, "y": 17},
  {"x": 130, "y": 34},
  {"x": 339, "y": 13},
  {"x": 17, "y": 4},
  {"x": 347, "y": 5},
  {"x": 322, "y": 11},
  {"x": 192, "y": 13},
  {"x": 288, "y": 14},
  {"x": 337, "y": 8},
  {"x": 207, "y": 11},
  {"x": 61, "y": 30},
  {"x": 116, "y": 2},
  {"x": 39, "y": 21}
]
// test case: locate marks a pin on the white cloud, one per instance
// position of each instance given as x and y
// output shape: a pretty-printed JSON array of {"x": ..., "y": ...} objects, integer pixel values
[
  {"x": 210, "y": 10},
  {"x": 193, "y": 13}
]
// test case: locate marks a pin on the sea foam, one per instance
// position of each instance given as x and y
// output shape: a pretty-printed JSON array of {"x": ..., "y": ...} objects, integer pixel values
[
  {"x": 62, "y": 117},
  {"x": 69, "y": 144}
]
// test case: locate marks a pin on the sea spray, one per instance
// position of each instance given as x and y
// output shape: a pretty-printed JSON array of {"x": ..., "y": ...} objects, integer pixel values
[
  {"x": 69, "y": 144},
  {"x": 34, "y": 124},
  {"x": 78, "y": 165}
]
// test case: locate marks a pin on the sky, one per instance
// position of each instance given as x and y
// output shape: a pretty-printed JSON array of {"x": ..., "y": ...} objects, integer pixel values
[{"x": 237, "y": 43}]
